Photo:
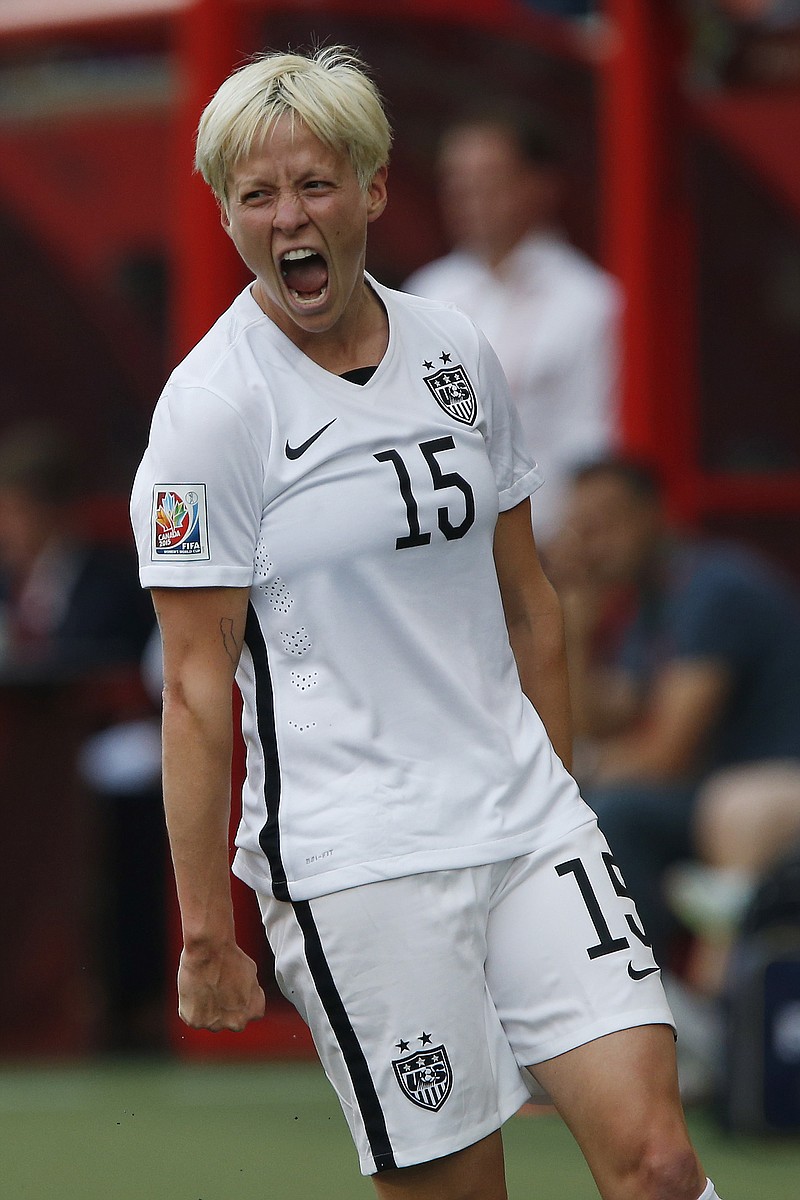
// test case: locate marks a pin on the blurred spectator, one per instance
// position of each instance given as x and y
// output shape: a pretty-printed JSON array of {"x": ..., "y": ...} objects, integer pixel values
[
  {"x": 746, "y": 836},
  {"x": 563, "y": 8},
  {"x": 736, "y": 43},
  {"x": 550, "y": 313},
  {"x": 701, "y": 671},
  {"x": 74, "y": 623},
  {"x": 67, "y": 604},
  {"x": 746, "y": 819},
  {"x": 761, "y": 12}
]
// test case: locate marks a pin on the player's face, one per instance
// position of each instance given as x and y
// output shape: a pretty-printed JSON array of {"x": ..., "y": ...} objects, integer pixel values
[{"x": 299, "y": 221}]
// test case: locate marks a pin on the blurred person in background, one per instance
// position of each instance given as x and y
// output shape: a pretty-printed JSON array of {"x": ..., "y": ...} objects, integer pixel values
[
  {"x": 684, "y": 663},
  {"x": 739, "y": 899},
  {"x": 67, "y": 603},
  {"x": 72, "y": 616},
  {"x": 564, "y": 8},
  {"x": 550, "y": 313},
  {"x": 684, "y": 657},
  {"x": 765, "y": 13},
  {"x": 746, "y": 820}
]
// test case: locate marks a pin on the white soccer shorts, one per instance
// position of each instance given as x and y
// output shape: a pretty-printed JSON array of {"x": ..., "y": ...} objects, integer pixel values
[{"x": 428, "y": 995}]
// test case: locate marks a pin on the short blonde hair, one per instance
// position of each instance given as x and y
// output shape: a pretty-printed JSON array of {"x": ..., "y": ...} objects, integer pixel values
[{"x": 329, "y": 90}]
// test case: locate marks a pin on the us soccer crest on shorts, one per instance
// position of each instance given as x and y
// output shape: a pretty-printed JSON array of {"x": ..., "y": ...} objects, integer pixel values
[
  {"x": 425, "y": 1076},
  {"x": 452, "y": 390},
  {"x": 179, "y": 525}
]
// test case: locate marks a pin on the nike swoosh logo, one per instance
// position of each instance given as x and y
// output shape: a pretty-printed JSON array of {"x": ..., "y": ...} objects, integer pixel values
[
  {"x": 297, "y": 451},
  {"x": 634, "y": 974}
]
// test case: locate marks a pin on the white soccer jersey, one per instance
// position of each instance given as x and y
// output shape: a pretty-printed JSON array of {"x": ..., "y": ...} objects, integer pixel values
[{"x": 385, "y": 727}]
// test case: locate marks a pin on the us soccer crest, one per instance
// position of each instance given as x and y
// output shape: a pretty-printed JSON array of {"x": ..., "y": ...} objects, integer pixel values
[
  {"x": 425, "y": 1077},
  {"x": 452, "y": 390}
]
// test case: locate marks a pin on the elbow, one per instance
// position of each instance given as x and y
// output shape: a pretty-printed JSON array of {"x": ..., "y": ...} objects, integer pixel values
[
  {"x": 173, "y": 695},
  {"x": 196, "y": 692},
  {"x": 186, "y": 698}
]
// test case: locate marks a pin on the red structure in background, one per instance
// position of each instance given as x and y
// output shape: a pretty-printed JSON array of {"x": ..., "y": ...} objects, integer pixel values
[
  {"x": 206, "y": 271},
  {"x": 645, "y": 228},
  {"x": 648, "y": 238},
  {"x": 648, "y": 230},
  {"x": 645, "y": 209}
]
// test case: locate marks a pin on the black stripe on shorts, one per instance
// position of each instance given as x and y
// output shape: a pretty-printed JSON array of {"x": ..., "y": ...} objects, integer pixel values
[{"x": 357, "y": 1067}]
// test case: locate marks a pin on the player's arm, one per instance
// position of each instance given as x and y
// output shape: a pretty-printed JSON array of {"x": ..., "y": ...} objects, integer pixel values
[
  {"x": 671, "y": 738},
  {"x": 535, "y": 625},
  {"x": 202, "y": 631}
]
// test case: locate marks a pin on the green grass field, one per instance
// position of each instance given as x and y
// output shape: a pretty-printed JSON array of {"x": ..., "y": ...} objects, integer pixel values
[{"x": 167, "y": 1131}]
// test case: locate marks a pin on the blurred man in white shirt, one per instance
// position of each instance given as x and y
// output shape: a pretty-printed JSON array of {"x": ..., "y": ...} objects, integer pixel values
[{"x": 549, "y": 311}]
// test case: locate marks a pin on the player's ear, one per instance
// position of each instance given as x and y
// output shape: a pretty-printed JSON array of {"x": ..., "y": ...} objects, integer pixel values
[
  {"x": 224, "y": 218},
  {"x": 377, "y": 194}
]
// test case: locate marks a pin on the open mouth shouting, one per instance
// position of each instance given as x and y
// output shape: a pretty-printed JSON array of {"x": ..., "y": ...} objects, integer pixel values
[{"x": 305, "y": 274}]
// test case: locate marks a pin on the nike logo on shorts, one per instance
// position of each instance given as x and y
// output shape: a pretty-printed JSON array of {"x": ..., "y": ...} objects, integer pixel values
[
  {"x": 634, "y": 974},
  {"x": 297, "y": 451}
]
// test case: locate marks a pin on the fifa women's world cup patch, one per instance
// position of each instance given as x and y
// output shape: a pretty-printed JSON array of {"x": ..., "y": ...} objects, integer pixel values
[{"x": 179, "y": 523}]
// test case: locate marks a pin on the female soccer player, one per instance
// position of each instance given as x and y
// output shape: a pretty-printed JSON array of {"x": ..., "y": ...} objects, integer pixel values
[{"x": 334, "y": 508}]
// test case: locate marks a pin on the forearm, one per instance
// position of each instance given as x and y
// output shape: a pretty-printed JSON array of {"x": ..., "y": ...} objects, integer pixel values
[
  {"x": 538, "y": 645},
  {"x": 197, "y": 740},
  {"x": 202, "y": 631},
  {"x": 535, "y": 626}
]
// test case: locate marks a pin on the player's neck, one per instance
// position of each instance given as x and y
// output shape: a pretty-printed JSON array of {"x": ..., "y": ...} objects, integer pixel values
[{"x": 359, "y": 339}]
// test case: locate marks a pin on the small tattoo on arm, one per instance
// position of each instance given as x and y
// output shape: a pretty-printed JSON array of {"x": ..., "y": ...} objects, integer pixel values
[{"x": 232, "y": 647}]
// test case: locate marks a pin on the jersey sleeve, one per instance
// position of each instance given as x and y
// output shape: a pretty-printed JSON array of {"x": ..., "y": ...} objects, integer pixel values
[
  {"x": 198, "y": 494},
  {"x": 517, "y": 474}
]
